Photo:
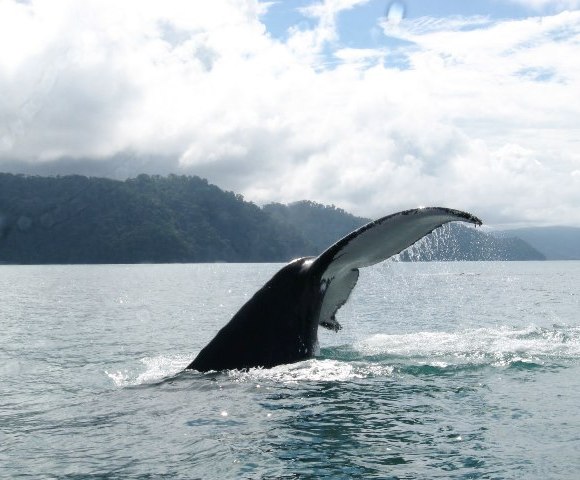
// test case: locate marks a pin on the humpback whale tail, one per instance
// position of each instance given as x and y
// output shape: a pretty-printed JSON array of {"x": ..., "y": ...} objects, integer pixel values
[{"x": 279, "y": 324}]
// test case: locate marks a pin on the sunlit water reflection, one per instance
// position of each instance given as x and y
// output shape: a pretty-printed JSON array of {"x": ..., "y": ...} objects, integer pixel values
[{"x": 442, "y": 370}]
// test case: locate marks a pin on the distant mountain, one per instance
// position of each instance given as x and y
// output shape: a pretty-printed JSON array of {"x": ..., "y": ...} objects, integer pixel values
[
  {"x": 323, "y": 225},
  {"x": 556, "y": 243},
  {"x": 154, "y": 219}
]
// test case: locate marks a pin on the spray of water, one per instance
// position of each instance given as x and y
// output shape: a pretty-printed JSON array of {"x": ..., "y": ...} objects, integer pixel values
[
  {"x": 156, "y": 369},
  {"x": 383, "y": 355}
]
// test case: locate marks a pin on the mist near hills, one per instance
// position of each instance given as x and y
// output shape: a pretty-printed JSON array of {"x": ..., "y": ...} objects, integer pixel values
[{"x": 556, "y": 243}]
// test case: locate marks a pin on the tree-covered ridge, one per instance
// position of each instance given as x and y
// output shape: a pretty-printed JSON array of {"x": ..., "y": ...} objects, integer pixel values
[
  {"x": 76, "y": 219},
  {"x": 320, "y": 225},
  {"x": 154, "y": 219}
]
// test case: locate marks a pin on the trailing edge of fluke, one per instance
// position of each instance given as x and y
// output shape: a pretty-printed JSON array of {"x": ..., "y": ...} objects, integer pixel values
[{"x": 279, "y": 324}]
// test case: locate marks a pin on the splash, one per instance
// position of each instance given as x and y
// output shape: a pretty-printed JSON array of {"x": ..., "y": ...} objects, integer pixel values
[
  {"x": 156, "y": 369},
  {"x": 441, "y": 244},
  {"x": 502, "y": 346},
  {"x": 383, "y": 355},
  {"x": 314, "y": 371}
]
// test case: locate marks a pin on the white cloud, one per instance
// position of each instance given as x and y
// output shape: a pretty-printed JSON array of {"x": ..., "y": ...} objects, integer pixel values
[
  {"x": 309, "y": 43},
  {"x": 555, "y": 5},
  {"x": 485, "y": 118}
]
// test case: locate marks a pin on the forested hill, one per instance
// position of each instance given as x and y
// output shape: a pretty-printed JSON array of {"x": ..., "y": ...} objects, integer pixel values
[
  {"x": 75, "y": 219},
  {"x": 320, "y": 225}
]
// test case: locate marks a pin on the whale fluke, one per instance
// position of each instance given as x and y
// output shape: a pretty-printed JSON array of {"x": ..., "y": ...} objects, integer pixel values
[{"x": 279, "y": 324}]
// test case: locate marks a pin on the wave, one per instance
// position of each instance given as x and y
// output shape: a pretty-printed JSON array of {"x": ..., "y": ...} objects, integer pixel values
[
  {"x": 499, "y": 346},
  {"x": 382, "y": 355},
  {"x": 315, "y": 370},
  {"x": 157, "y": 369}
]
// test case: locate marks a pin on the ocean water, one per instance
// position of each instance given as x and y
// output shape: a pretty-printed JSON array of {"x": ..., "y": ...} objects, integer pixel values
[{"x": 442, "y": 370}]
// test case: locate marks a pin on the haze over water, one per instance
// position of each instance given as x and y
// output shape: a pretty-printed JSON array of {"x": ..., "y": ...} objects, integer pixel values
[{"x": 442, "y": 370}]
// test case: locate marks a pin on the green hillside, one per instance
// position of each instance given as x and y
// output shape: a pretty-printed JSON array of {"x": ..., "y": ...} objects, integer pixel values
[
  {"x": 76, "y": 219},
  {"x": 154, "y": 219},
  {"x": 320, "y": 225}
]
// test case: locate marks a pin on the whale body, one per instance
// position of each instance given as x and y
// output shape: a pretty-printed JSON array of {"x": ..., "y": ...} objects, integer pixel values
[{"x": 279, "y": 324}]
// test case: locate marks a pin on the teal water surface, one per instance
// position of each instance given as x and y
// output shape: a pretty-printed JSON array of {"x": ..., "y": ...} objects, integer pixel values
[{"x": 442, "y": 370}]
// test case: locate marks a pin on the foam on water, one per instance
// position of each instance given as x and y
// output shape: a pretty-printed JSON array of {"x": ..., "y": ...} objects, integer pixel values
[
  {"x": 156, "y": 369},
  {"x": 497, "y": 346},
  {"x": 379, "y": 355},
  {"x": 314, "y": 370},
  {"x": 162, "y": 367}
]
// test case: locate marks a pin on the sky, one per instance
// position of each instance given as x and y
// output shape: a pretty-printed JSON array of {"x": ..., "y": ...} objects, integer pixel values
[{"x": 373, "y": 106}]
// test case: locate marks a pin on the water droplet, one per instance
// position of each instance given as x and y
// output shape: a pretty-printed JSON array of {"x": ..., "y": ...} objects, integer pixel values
[
  {"x": 24, "y": 223},
  {"x": 395, "y": 13},
  {"x": 143, "y": 315}
]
